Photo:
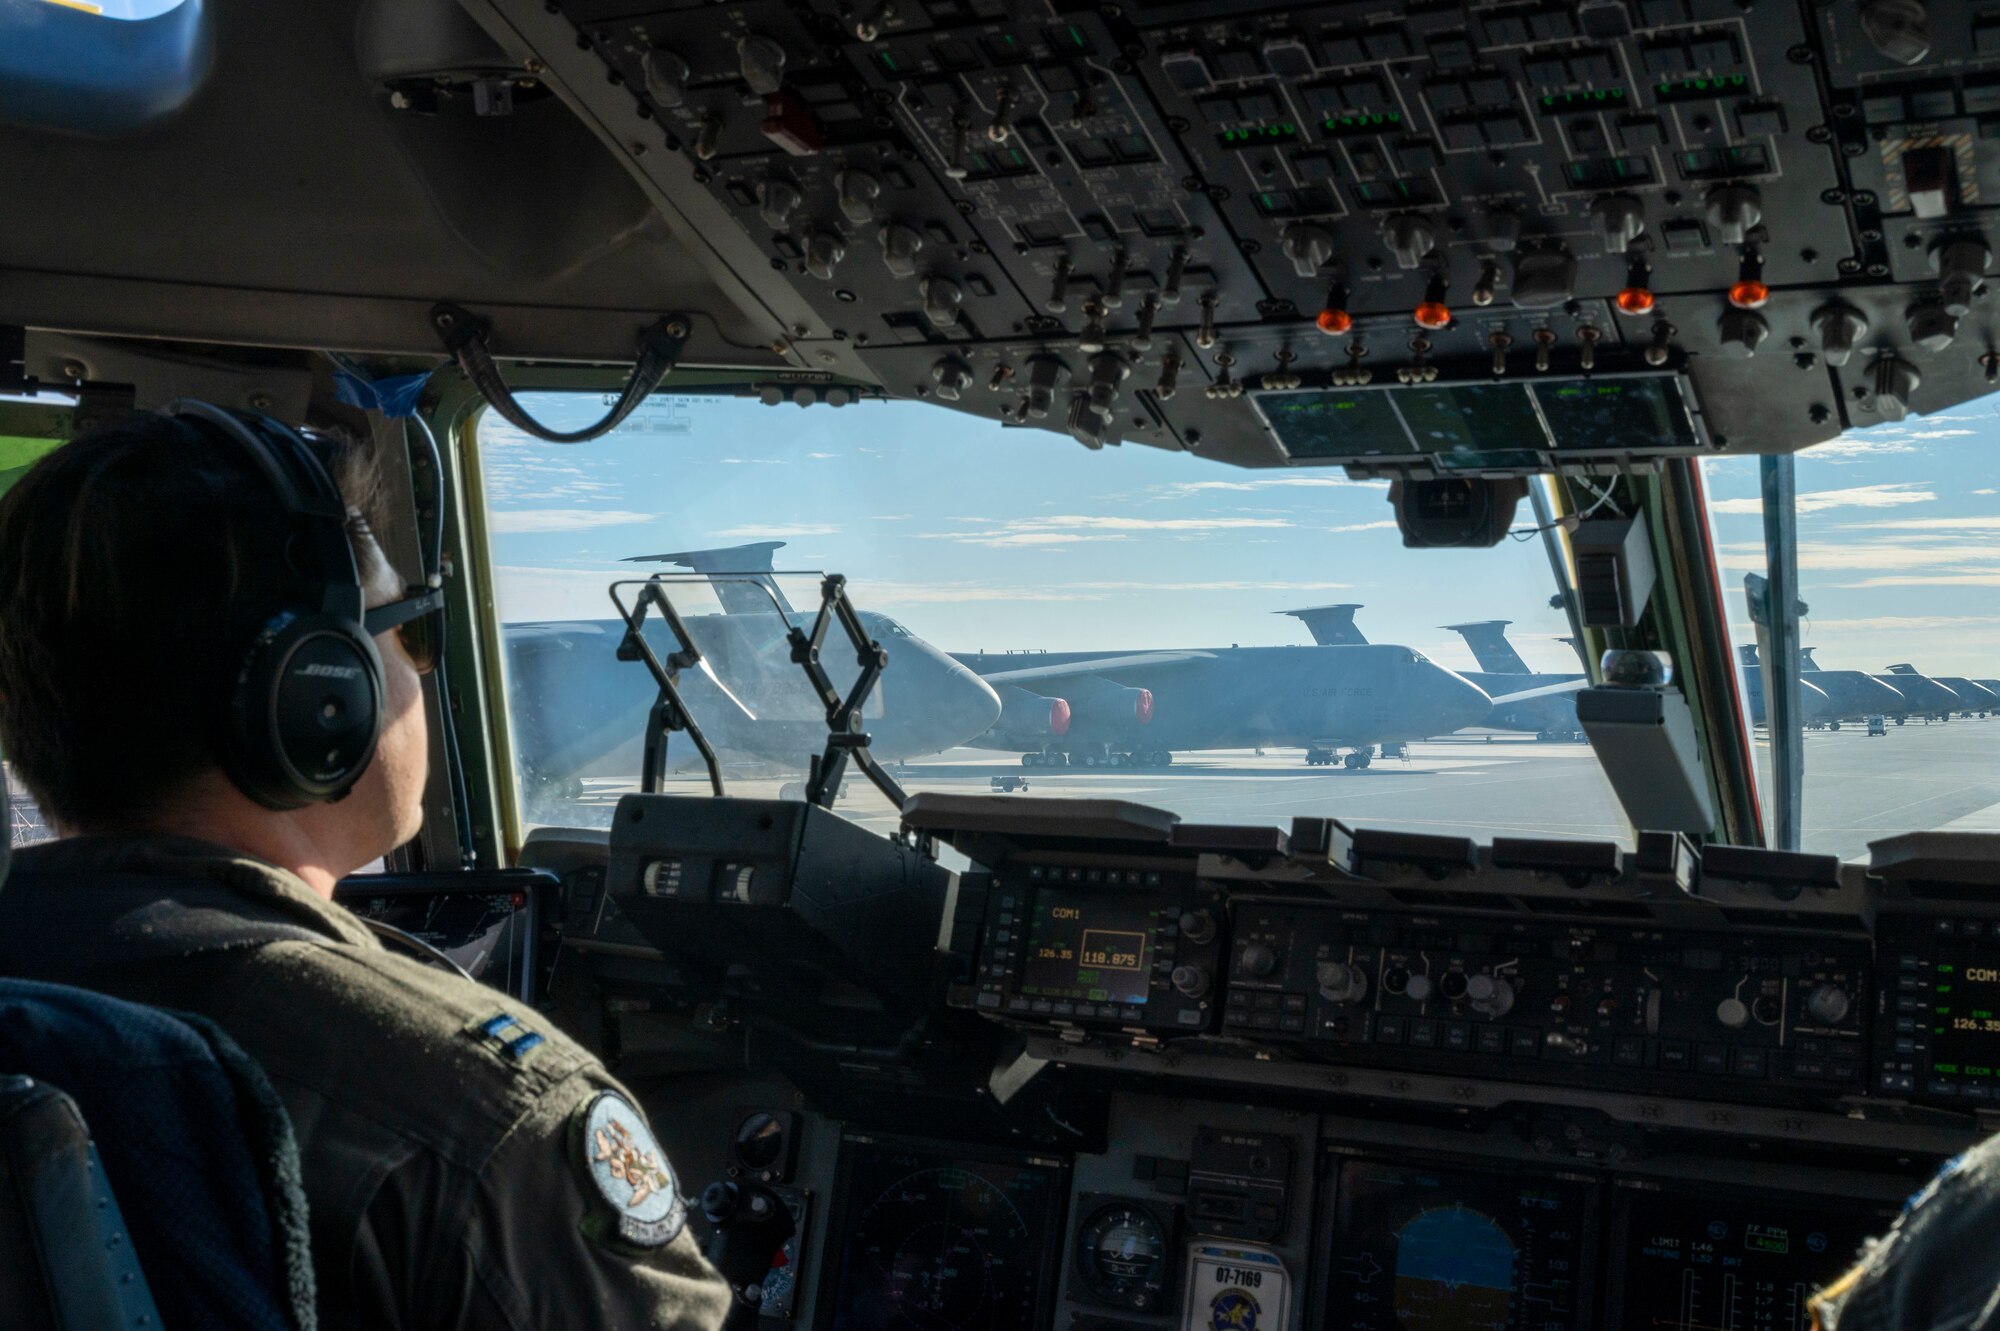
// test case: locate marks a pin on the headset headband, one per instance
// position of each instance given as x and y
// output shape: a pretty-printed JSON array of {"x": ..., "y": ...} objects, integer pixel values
[{"x": 313, "y": 507}]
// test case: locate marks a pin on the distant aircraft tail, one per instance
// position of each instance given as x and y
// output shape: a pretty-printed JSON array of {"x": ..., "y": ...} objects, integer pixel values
[
  {"x": 744, "y": 563},
  {"x": 1805, "y": 659},
  {"x": 1330, "y": 625},
  {"x": 1747, "y": 652},
  {"x": 1488, "y": 640}
]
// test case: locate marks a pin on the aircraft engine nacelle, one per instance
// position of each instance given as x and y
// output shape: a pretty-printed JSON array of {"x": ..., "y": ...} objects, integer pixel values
[
  {"x": 1108, "y": 706},
  {"x": 1031, "y": 718}
]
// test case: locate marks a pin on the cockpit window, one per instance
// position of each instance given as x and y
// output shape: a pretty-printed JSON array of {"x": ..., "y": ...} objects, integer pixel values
[{"x": 1136, "y": 624}]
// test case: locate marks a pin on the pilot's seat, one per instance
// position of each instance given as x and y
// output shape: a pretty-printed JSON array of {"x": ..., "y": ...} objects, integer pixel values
[{"x": 177, "y": 1206}]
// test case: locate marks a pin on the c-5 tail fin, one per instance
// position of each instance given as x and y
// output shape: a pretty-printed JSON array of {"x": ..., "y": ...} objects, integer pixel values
[
  {"x": 1747, "y": 653},
  {"x": 1488, "y": 640},
  {"x": 1330, "y": 625},
  {"x": 1805, "y": 659},
  {"x": 747, "y": 566}
]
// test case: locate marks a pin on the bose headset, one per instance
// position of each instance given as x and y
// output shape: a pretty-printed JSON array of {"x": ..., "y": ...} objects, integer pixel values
[{"x": 302, "y": 716}]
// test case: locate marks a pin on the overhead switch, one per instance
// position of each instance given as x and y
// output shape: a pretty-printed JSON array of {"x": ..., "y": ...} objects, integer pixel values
[
  {"x": 942, "y": 297},
  {"x": 666, "y": 77},
  {"x": 1839, "y": 326},
  {"x": 1732, "y": 211},
  {"x": 1620, "y": 219},
  {"x": 762, "y": 62},
  {"x": 1961, "y": 269},
  {"x": 858, "y": 191},
  {"x": 1931, "y": 325},
  {"x": 952, "y": 378},
  {"x": 899, "y": 249},
  {"x": 1892, "y": 381},
  {"x": 1899, "y": 29},
  {"x": 1489, "y": 995},
  {"x": 1308, "y": 247},
  {"x": 1340, "y": 982},
  {"x": 777, "y": 200},
  {"x": 1930, "y": 178},
  {"x": 1743, "y": 331},
  {"x": 1544, "y": 278},
  {"x": 1411, "y": 238},
  {"x": 824, "y": 251}
]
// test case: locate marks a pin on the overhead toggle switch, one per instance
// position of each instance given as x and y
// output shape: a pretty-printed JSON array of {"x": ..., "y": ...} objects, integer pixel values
[
  {"x": 1930, "y": 178},
  {"x": 1899, "y": 29},
  {"x": 1743, "y": 331},
  {"x": 1170, "y": 290},
  {"x": 899, "y": 249},
  {"x": 1333, "y": 318},
  {"x": 858, "y": 191},
  {"x": 1961, "y": 269},
  {"x": 1308, "y": 247},
  {"x": 1620, "y": 218},
  {"x": 1058, "y": 299},
  {"x": 666, "y": 77},
  {"x": 1839, "y": 326},
  {"x": 1892, "y": 380},
  {"x": 1488, "y": 284},
  {"x": 777, "y": 200},
  {"x": 1114, "y": 285},
  {"x": 708, "y": 137},
  {"x": 824, "y": 251},
  {"x": 762, "y": 62},
  {"x": 1411, "y": 238},
  {"x": 1045, "y": 375},
  {"x": 952, "y": 377},
  {"x": 942, "y": 297},
  {"x": 1733, "y": 211},
  {"x": 1502, "y": 230}
]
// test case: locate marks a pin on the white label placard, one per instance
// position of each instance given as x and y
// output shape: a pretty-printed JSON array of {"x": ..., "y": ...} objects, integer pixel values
[{"x": 1235, "y": 1288}]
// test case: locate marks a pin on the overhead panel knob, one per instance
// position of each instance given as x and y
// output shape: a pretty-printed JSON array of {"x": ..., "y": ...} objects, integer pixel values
[
  {"x": 1899, "y": 29},
  {"x": 1733, "y": 211},
  {"x": 1839, "y": 326},
  {"x": 1340, "y": 982},
  {"x": 1732, "y": 1013},
  {"x": 1961, "y": 269},
  {"x": 1892, "y": 380},
  {"x": 942, "y": 297},
  {"x": 1829, "y": 1004},
  {"x": 1418, "y": 989},
  {"x": 1259, "y": 960},
  {"x": 1743, "y": 331},
  {"x": 1411, "y": 238},
  {"x": 1489, "y": 995},
  {"x": 858, "y": 191},
  {"x": 1931, "y": 325},
  {"x": 824, "y": 251},
  {"x": 1192, "y": 981},
  {"x": 1045, "y": 375},
  {"x": 762, "y": 62},
  {"x": 1308, "y": 247},
  {"x": 777, "y": 200},
  {"x": 666, "y": 77},
  {"x": 952, "y": 377},
  {"x": 899, "y": 249},
  {"x": 1197, "y": 926},
  {"x": 1620, "y": 218}
]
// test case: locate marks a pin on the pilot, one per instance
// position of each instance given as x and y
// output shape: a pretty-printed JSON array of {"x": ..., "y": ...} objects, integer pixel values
[
  {"x": 1934, "y": 1270},
  {"x": 185, "y": 690}
]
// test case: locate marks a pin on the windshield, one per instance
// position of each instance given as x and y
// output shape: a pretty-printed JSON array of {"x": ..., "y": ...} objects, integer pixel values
[
  {"x": 1236, "y": 646},
  {"x": 1898, "y": 531}
]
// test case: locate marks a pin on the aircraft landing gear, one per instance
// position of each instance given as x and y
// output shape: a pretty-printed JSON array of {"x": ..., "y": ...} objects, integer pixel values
[{"x": 1357, "y": 760}]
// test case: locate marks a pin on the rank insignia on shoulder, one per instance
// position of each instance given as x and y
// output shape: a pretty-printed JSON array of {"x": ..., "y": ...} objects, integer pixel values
[
  {"x": 509, "y": 1035},
  {"x": 629, "y": 1171}
]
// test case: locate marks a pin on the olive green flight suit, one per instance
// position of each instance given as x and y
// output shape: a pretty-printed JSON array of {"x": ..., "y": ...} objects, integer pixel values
[{"x": 466, "y": 1164}]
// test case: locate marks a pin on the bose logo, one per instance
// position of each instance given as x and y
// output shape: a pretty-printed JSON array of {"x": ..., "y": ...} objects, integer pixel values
[{"x": 331, "y": 672}]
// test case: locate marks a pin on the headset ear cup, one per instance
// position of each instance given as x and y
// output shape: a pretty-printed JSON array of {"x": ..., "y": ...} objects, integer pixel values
[{"x": 305, "y": 712}]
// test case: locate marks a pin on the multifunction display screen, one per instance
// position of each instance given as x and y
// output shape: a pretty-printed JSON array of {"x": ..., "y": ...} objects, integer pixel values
[
  {"x": 1709, "y": 1263},
  {"x": 1091, "y": 949},
  {"x": 1941, "y": 1039},
  {"x": 1965, "y": 1019},
  {"x": 1439, "y": 1250},
  {"x": 1592, "y": 415},
  {"x": 1336, "y": 424},
  {"x": 935, "y": 1239}
]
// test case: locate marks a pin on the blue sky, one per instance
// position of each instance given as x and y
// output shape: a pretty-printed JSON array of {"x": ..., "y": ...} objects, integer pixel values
[{"x": 981, "y": 537}]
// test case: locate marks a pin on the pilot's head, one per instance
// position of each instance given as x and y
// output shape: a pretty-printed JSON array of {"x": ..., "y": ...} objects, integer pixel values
[{"x": 140, "y": 566}]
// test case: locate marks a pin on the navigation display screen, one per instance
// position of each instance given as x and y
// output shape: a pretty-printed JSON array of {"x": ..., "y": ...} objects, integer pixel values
[
  {"x": 1472, "y": 418},
  {"x": 1600, "y": 414},
  {"x": 1964, "y": 1019},
  {"x": 1335, "y": 424},
  {"x": 1439, "y": 1250},
  {"x": 1090, "y": 949},
  {"x": 933, "y": 1240},
  {"x": 1692, "y": 1263}
]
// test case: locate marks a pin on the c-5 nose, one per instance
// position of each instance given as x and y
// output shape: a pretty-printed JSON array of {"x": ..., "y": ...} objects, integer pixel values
[
  {"x": 1459, "y": 702},
  {"x": 967, "y": 707}
]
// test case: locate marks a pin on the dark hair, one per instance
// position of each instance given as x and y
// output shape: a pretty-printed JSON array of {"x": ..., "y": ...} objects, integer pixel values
[{"x": 136, "y": 561}]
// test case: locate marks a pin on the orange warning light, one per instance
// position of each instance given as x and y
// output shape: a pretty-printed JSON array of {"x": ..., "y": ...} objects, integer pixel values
[
  {"x": 1334, "y": 322},
  {"x": 1635, "y": 300},
  {"x": 1433, "y": 314},
  {"x": 1749, "y": 294}
]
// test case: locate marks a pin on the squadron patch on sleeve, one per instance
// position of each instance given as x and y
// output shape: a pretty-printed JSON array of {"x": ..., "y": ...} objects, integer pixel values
[{"x": 630, "y": 1172}]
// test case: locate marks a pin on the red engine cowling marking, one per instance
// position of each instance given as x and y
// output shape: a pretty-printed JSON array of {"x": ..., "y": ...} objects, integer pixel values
[
  {"x": 1058, "y": 716},
  {"x": 1143, "y": 709}
]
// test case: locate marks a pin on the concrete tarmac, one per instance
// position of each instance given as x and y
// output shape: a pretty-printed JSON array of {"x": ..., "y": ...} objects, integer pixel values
[{"x": 1859, "y": 788}]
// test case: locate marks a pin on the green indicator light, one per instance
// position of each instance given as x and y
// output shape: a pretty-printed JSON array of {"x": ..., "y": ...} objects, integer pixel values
[
  {"x": 889, "y": 62},
  {"x": 1076, "y": 37}
]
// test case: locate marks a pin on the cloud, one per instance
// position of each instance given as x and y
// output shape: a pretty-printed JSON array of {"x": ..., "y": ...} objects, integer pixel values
[
  {"x": 777, "y": 533},
  {"x": 822, "y": 455},
  {"x": 948, "y": 593},
  {"x": 1987, "y": 491},
  {"x": 1021, "y": 537},
  {"x": 761, "y": 462},
  {"x": 522, "y": 521},
  {"x": 890, "y": 517},
  {"x": 1901, "y": 623},
  {"x": 1070, "y": 528},
  {"x": 1387, "y": 524},
  {"x": 1859, "y": 496},
  {"x": 1975, "y": 523},
  {"x": 1182, "y": 488},
  {"x": 1928, "y": 580}
]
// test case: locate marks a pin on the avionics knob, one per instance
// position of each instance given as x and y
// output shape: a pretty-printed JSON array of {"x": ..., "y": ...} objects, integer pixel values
[
  {"x": 1620, "y": 219},
  {"x": 942, "y": 297},
  {"x": 1839, "y": 327},
  {"x": 1828, "y": 1004},
  {"x": 1489, "y": 995},
  {"x": 1340, "y": 982},
  {"x": 762, "y": 62},
  {"x": 1411, "y": 238},
  {"x": 824, "y": 251},
  {"x": 1733, "y": 210},
  {"x": 1259, "y": 959},
  {"x": 1197, "y": 926},
  {"x": 1732, "y": 1013},
  {"x": 1961, "y": 268},
  {"x": 1931, "y": 325},
  {"x": 899, "y": 249},
  {"x": 1045, "y": 375},
  {"x": 1418, "y": 989},
  {"x": 952, "y": 378},
  {"x": 858, "y": 191},
  {"x": 666, "y": 77},
  {"x": 1899, "y": 29},
  {"x": 1743, "y": 331},
  {"x": 1395, "y": 980},
  {"x": 1893, "y": 380},
  {"x": 777, "y": 200},
  {"x": 1308, "y": 247},
  {"x": 1192, "y": 981}
]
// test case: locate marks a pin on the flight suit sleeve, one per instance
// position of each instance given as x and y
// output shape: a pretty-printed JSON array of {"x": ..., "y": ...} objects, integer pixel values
[
  {"x": 575, "y": 1221},
  {"x": 1936, "y": 1270}
]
